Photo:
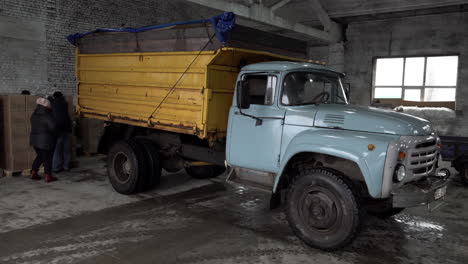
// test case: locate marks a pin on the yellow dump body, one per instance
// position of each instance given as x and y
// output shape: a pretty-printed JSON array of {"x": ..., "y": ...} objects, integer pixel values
[{"x": 144, "y": 89}]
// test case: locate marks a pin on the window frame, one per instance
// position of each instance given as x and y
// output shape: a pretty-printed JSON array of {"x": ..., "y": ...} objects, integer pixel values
[
  {"x": 422, "y": 87},
  {"x": 274, "y": 87}
]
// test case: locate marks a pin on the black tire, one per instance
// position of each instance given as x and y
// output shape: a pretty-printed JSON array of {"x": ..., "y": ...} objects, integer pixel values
[
  {"x": 447, "y": 172},
  {"x": 126, "y": 167},
  {"x": 464, "y": 174},
  {"x": 205, "y": 172},
  {"x": 151, "y": 151},
  {"x": 322, "y": 210}
]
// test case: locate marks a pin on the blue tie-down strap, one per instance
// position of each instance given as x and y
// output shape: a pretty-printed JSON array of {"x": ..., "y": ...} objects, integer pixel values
[{"x": 222, "y": 23}]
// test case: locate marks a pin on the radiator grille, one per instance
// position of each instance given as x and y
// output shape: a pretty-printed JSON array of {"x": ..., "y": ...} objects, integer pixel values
[{"x": 423, "y": 158}]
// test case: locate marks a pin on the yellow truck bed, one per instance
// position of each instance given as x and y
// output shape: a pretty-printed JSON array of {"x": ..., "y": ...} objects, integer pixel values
[{"x": 183, "y": 92}]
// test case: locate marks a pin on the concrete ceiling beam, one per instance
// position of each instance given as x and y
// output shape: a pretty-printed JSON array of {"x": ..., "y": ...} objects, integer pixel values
[
  {"x": 328, "y": 25},
  {"x": 265, "y": 15},
  {"x": 279, "y": 5},
  {"x": 322, "y": 14}
]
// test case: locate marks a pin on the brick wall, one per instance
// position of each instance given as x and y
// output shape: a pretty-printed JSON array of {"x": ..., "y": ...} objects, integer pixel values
[{"x": 46, "y": 62}]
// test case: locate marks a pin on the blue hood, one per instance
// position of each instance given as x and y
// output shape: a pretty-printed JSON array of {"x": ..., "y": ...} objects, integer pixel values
[
  {"x": 357, "y": 118},
  {"x": 370, "y": 119}
]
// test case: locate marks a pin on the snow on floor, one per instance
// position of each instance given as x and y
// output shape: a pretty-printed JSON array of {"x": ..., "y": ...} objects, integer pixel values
[{"x": 24, "y": 203}]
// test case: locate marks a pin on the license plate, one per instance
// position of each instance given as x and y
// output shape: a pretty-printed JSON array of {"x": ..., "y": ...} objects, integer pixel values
[{"x": 439, "y": 193}]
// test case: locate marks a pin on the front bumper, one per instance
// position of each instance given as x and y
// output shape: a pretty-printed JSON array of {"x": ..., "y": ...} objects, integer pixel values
[{"x": 419, "y": 193}]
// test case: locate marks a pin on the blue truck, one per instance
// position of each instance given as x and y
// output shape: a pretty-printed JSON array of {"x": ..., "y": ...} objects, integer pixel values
[
  {"x": 292, "y": 133},
  {"x": 290, "y": 130},
  {"x": 330, "y": 159}
]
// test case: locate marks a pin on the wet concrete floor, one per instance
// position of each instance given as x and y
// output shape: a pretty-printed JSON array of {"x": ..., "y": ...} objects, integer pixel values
[{"x": 218, "y": 223}]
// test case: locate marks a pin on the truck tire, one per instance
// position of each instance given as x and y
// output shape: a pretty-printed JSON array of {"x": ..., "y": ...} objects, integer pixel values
[
  {"x": 151, "y": 151},
  {"x": 126, "y": 166},
  {"x": 322, "y": 210},
  {"x": 464, "y": 174},
  {"x": 205, "y": 172}
]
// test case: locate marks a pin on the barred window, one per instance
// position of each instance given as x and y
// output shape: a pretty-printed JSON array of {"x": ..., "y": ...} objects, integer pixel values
[{"x": 420, "y": 79}]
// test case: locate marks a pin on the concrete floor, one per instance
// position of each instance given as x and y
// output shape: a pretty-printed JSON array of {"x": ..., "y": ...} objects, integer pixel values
[{"x": 80, "y": 219}]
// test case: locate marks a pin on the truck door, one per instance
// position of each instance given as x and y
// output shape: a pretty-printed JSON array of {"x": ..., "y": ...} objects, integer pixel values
[{"x": 255, "y": 144}]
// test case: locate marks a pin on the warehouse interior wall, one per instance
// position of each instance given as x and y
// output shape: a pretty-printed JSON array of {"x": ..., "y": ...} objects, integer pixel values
[
  {"x": 439, "y": 34},
  {"x": 333, "y": 55},
  {"x": 35, "y": 54}
]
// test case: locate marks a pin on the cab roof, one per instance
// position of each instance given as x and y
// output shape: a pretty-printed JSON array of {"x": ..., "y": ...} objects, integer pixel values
[{"x": 287, "y": 66}]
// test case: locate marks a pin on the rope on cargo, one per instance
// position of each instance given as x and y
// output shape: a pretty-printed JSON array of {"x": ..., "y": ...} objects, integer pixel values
[{"x": 180, "y": 78}]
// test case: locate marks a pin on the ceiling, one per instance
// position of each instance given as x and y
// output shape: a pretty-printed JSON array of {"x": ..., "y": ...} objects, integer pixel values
[
  {"x": 301, "y": 10},
  {"x": 344, "y": 11}
]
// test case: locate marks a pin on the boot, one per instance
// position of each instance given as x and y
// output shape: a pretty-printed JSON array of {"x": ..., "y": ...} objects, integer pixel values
[
  {"x": 34, "y": 175},
  {"x": 49, "y": 178}
]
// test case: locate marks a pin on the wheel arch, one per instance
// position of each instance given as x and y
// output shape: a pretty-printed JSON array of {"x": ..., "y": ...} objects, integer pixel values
[
  {"x": 350, "y": 147},
  {"x": 347, "y": 168}
]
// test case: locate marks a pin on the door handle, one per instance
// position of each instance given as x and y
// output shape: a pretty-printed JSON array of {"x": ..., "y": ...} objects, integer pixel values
[{"x": 236, "y": 113}]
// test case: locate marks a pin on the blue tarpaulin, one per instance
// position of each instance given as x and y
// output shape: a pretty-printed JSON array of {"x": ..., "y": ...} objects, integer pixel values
[{"x": 222, "y": 24}]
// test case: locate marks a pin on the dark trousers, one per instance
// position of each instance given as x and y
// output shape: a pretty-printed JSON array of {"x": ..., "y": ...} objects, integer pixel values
[
  {"x": 43, "y": 157},
  {"x": 62, "y": 153}
]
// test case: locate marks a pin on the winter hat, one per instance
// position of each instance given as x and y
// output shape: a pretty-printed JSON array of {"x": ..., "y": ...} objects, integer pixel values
[
  {"x": 44, "y": 102},
  {"x": 58, "y": 94}
]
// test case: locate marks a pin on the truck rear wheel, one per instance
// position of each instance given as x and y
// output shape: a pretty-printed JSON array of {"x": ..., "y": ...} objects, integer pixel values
[
  {"x": 322, "y": 210},
  {"x": 205, "y": 172},
  {"x": 151, "y": 151},
  {"x": 126, "y": 166}
]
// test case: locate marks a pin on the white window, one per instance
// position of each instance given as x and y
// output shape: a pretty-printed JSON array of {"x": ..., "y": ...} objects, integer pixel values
[{"x": 420, "y": 79}]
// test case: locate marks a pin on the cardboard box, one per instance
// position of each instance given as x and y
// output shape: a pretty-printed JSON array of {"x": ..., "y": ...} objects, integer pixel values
[
  {"x": 14, "y": 132},
  {"x": 15, "y": 127}
]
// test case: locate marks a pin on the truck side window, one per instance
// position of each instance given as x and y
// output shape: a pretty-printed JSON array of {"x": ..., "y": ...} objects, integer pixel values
[{"x": 262, "y": 89}]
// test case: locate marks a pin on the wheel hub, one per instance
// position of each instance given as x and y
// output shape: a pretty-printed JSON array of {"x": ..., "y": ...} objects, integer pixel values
[
  {"x": 122, "y": 167},
  {"x": 319, "y": 210},
  {"x": 126, "y": 167}
]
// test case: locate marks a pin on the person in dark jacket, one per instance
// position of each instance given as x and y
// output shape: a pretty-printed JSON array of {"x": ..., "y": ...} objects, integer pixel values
[
  {"x": 62, "y": 153},
  {"x": 43, "y": 138}
]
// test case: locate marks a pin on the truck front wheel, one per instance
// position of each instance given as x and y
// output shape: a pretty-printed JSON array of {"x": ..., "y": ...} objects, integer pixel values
[{"x": 322, "y": 210}]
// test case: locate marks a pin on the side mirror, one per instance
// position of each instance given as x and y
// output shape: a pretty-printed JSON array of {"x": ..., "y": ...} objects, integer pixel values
[
  {"x": 347, "y": 90},
  {"x": 243, "y": 99}
]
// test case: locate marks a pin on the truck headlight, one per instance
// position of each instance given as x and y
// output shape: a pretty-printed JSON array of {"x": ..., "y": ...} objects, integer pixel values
[{"x": 400, "y": 173}]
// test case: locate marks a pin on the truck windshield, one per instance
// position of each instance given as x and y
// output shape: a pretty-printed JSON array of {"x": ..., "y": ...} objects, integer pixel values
[{"x": 302, "y": 88}]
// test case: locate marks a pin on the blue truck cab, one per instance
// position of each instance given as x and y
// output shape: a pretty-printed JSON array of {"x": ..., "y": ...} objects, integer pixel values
[{"x": 292, "y": 131}]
